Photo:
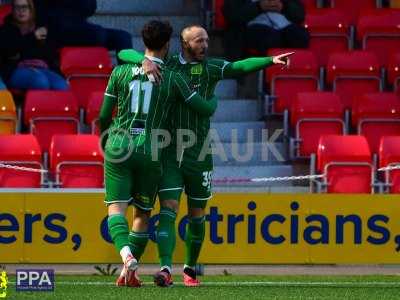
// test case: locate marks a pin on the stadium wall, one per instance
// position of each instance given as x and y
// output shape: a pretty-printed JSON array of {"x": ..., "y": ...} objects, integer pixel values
[{"x": 70, "y": 227}]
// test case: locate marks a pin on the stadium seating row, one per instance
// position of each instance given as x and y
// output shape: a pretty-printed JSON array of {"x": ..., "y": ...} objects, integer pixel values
[
  {"x": 346, "y": 165},
  {"x": 322, "y": 113},
  {"x": 49, "y": 112},
  {"x": 76, "y": 161},
  {"x": 348, "y": 74},
  {"x": 352, "y": 9}
]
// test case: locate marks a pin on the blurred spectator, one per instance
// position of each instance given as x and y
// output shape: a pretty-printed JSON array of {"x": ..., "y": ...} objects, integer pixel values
[
  {"x": 2, "y": 85},
  {"x": 264, "y": 24},
  {"x": 26, "y": 53},
  {"x": 68, "y": 24}
]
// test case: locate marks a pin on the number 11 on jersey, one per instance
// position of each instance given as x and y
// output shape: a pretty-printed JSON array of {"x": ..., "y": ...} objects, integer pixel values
[{"x": 141, "y": 96}]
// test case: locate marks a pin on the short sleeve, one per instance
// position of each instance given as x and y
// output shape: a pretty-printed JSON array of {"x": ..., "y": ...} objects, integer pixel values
[{"x": 216, "y": 67}]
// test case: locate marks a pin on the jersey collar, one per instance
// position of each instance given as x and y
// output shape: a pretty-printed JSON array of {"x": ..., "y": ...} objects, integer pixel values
[
  {"x": 184, "y": 62},
  {"x": 154, "y": 59}
]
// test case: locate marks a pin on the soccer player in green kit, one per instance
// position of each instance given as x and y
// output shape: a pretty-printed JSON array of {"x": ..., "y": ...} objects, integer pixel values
[
  {"x": 185, "y": 166},
  {"x": 132, "y": 154}
]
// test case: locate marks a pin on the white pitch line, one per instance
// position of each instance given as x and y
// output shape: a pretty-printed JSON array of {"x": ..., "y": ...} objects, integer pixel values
[{"x": 257, "y": 283}]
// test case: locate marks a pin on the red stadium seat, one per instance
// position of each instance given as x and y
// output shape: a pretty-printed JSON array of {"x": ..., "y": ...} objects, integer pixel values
[
  {"x": 87, "y": 70},
  {"x": 51, "y": 112},
  {"x": 93, "y": 111},
  {"x": 5, "y": 10},
  {"x": 353, "y": 7},
  {"x": 219, "y": 18},
  {"x": 8, "y": 115},
  {"x": 389, "y": 155},
  {"x": 310, "y": 4},
  {"x": 379, "y": 31},
  {"x": 393, "y": 72},
  {"x": 353, "y": 73},
  {"x": 376, "y": 115},
  {"x": 301, "y": 76},
  {"x": 24, "y": 151},
  {"x": 77, "y": 161},
  {"x": 313, "y": 115},
  {"x": 346, "y": 164},
  {"x": 329, "y": 32}
]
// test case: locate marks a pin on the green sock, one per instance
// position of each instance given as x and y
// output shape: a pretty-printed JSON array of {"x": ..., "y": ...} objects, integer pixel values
[
  {"x": 194, "y": 239},
  {"x": 137, "y": 243},
  {"x": 119, "y": 230},
  {"x": 166, "y": 236}
]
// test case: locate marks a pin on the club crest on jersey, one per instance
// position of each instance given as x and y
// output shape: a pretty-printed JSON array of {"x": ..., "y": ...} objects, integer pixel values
[
  {"x": 196, "y": 69},
  {"x": 137, "y": 70}
]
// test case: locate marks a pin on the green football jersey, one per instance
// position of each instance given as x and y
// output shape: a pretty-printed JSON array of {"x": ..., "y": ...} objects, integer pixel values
[
  {"x": 144, "y": 107},
  {"x": 203, "y": 76}
]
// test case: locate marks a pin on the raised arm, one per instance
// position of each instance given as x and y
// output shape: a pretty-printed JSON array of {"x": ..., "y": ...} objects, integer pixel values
[
  {"x": 193, "y": 99},
  {"x": 253, "y": 64}
]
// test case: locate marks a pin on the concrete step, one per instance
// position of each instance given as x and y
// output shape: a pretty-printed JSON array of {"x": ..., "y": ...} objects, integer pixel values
[
  {"x": 227, "y": 89},
  {"x": 148, "y": 7},
  {"x": 175, "y": 45},
  {"x": 237, "y": 176},
  {"x": 134, "y": 24},
  {"x": 238, "y": 110},
  {"x": 243, "y": 131},
  {"x": 249, "y": 154}
]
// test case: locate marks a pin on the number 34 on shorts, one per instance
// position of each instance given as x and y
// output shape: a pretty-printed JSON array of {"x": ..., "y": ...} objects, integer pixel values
[{"x": 207, "y": 178}]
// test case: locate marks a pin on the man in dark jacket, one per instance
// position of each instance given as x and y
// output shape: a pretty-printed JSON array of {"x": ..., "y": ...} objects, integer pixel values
[
  {"x": 264, "y": 24},
  {"x": 67, "y": 23}
]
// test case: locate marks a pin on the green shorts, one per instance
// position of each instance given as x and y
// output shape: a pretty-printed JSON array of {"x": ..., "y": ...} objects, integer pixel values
[
  {"x": 134, "y": 180},
  {"x": 190, "y": 175}
]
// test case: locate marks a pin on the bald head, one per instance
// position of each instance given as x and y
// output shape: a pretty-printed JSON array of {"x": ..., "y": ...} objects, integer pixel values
[{"x": 194, "y": 40}]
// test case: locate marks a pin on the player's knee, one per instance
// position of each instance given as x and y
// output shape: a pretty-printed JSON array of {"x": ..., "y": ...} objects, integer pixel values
[
  {"x": 117, "y": 208},
  {"x": 171, "y": 204},
  {"x": 196, "y": 212}
]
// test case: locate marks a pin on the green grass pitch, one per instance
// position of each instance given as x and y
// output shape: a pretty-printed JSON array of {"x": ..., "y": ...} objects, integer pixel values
[{"x": 224, "y": 287}]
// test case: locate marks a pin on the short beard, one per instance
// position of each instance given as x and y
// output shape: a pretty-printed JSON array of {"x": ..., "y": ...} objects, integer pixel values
[{"x": 192, "y": 54}]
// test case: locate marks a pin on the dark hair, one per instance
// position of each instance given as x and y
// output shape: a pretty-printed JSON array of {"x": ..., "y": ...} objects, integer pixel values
[
  {"x": 31, "y": 8},
  {"x": 156, "y": 34}
]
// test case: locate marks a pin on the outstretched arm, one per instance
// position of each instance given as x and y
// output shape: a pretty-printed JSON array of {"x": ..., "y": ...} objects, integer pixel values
[{"x": 253, "y": 64}]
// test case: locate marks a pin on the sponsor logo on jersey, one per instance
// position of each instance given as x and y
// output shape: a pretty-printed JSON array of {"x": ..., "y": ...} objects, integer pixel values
[{"x": 196, "y": 69}]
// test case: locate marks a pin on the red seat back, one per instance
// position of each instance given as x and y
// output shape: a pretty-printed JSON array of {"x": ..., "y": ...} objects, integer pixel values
[
  {"x": 376, "y": 115},
  {"x": 353, "y": 73},
  {"x": 49, "y": 113},
  {"x": 389, "y": 154},
  {"x": 28, "y": 155},
  {"x": 353, "y": 8},
  {"x": 393, "y": 72},
  {"x": 379, "y": 31},
  {"x": 329, "y": 32},
  {"x": 78, "y": 161},
  {"x": 5, "y": 10},
  {"x": 300, "y": 76},
  {"x": 93, "y": 110},
  {"x": 347, "y": 163},
  {"x": 219, "y": 19},
  {"x": 313, "y": 115},
  {"x": 87, "y": 70}
]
